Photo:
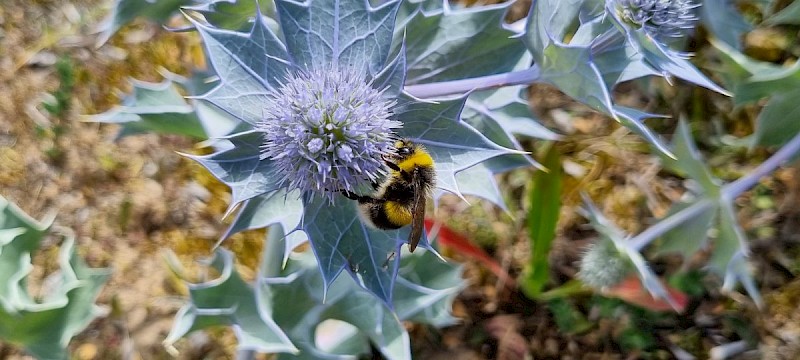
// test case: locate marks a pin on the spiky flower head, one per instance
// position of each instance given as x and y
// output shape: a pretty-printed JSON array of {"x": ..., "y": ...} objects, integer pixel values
[
  {"x": 603, "y": 266},
  {"x": 661, "y": 18},
  {"x": 327, "y": 130}
]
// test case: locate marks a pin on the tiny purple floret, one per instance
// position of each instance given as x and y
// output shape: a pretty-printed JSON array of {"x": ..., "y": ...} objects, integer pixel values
[{"x": 327, "y": 130}]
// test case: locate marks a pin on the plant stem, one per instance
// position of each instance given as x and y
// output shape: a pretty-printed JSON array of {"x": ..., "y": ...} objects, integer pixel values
[
  {"x": 728, "y": 191},
  {"x": 444, "y": 88}
]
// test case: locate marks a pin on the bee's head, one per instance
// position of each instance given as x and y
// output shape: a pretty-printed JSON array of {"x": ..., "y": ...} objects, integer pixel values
[
  {"x": 409, "y": 155},
  {"x": 403, "y": 150}
]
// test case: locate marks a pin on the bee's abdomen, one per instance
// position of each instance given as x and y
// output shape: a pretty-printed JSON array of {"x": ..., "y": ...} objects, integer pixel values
[{"x": 388, "y": 215}]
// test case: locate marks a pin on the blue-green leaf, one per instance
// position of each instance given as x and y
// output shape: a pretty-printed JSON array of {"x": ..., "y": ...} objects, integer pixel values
[
  {"x": 229, "y": 301},
  {"x": 495, "y": 114},
  {"x": 292, "y": 299},
  {"x": 43, "y": 326},
  {"x": 670, "y": 62},
  {"x": 689, "y": 162},
  {"x": 153, "y": 107},
  {"x": 691, "y": 236},
  {"x": 276, "y": 207},
  {"x": 779, "y": 121},
  {"x": 341, "y": 33},
  {"x": 248, "y": 64},
  {"x": 453, "y": 44},
  {"x": 241, "y": 168},
  {"x": 724, "y": 21},
  {"x": 453, "y": 144},
  {"x": 790, "y": 15},
  {"x": 342, "y": 242},
  {"x": 729, "y": 259},
  {"x": 124, "y": 11}
]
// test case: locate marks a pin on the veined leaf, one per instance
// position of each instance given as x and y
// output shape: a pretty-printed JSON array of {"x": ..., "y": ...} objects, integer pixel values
[
  {"x": 292, "y": 299},
  {"x": 450, "y": 44},
  {"x": 342, "y": 242},
  {"x": 452, "y": 143},
  {"x": 248, "y": 64},
  {"x": 155, "y": 108},
  {"x": 346, "y": 33},
  {"x": 241, "y": 169}
]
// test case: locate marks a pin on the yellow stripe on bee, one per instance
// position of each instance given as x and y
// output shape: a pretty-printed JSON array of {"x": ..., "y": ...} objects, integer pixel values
[
  {"x": 419, "y": 158},
  {"x": 397, "y": 214}
]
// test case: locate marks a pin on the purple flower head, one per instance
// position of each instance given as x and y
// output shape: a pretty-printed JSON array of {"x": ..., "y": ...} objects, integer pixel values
[
  {"x": 661, "y": 18},
  {"x": 326, "y": 131}
]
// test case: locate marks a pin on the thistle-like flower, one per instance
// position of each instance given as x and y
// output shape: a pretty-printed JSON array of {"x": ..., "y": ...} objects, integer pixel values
[
  {"x": 661, "y": 18},
  {"x": 326, "y": 131},
  {"x": 603, "y": 266}
]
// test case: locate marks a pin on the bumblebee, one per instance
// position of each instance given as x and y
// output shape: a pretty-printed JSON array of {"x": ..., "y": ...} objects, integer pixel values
[{"x": 400, "y": 199}]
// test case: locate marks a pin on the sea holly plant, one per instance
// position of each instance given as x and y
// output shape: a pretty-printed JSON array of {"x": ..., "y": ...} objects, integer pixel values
[
  {"x": 43, "y": 324},
  {"x": 306, "y": 104},
  {"x": 323, "y": 105},
  {"x": 287, "y": 311}
]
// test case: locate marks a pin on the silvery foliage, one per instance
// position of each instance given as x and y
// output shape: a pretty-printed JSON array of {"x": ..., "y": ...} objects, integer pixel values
[
  {"x": 470, "y": 68},
  {"x": 43, "y": 324}
]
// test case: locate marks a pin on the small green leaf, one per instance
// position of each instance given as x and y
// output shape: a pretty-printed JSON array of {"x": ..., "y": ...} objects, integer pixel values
[
  {"x": 689, "y": 162},
  {"x": 779, "y": 121},
  {"x": 124, "y": 11},
  {"x": 568, "y": 319},
  {"x": 689, "y": 237},
  {"x": 154, "y": 107},
  {"x": 790, "y": 15},
  {"x": 234, "y": 14},
  {"x": 724, "y": 21},
  {"x": 545, "y": 206}
]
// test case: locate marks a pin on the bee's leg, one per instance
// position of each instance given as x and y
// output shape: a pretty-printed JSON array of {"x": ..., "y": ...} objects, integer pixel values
[
  {"x": 394, "y": 167},
  {"x": 360, "y": 198}
]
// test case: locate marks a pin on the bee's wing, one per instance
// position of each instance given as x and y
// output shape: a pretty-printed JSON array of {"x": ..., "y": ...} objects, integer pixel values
[{"x": 417, "y": 212}]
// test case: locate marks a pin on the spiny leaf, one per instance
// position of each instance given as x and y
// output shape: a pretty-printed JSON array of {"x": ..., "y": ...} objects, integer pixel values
[
  {"x": 449, "y": 44},
  {"x": 241, "y": 169},
  {"x": 248, "y": 64},
  {"x": 453, "y": 144},
  {"x": 124, "y": 11},
  {"x": 43, "y": 326},
  {"x": 344, "y": 33},
  {"x": 689, "y": 162},
  {"x": 691, "y": 236},
  {"x": 495, "y": 114},
  {"x": 153, "y": 107},
  {"x": 229, "y": 300},
  {"x": 670, "y": 62},
  {"x": 292, "y": 298},
  {"x": 729, "y": 259},
  {"x": 277, "y": 207},
  {"x": 342, "y": 242}
]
